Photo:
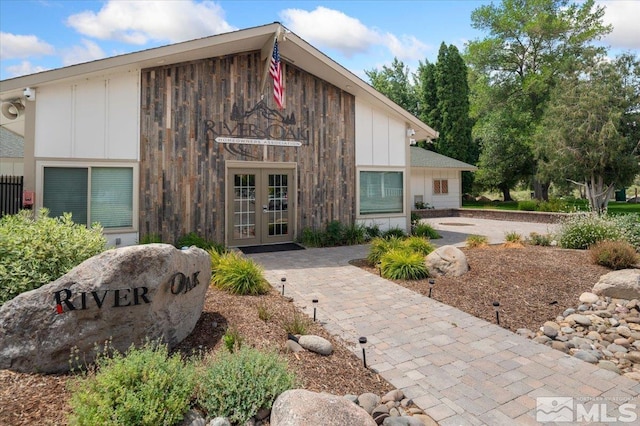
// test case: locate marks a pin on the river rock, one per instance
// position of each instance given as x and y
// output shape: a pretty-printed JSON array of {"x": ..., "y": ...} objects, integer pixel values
[
  {"x": 316, "y": 344},
  {"x": 125, "y": 295},
  {"x": 623, "y": 284},
  {"x": 579, "y": 319},
  {"x": 549, "y": 331},
  {"x": 300, "y": 407},
  {"x": 404, "y": 421},
  {"x": 586, "y": 356},
  {"x": 588, "y": 297},
  {"x": 368, "y": 401},
  {"x": 447, "y": 261}
]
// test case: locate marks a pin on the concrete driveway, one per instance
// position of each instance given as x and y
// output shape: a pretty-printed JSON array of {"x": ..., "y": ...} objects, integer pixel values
[{"x": 455, "y": 230}]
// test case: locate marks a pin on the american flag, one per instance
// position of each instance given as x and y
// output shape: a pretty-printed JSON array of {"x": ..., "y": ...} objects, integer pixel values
[{"x": 276, "y": 72}]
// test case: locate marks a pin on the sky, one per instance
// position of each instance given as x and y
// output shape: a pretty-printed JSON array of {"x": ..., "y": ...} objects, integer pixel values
[{"x": 38, "y": 35}]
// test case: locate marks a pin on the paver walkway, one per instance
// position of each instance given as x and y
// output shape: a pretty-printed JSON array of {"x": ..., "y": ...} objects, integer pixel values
[{"x": 459, "y": 369}]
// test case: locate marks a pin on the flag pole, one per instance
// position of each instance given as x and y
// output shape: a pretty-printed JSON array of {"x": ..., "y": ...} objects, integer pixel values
[{"x": 267, "y": 51}]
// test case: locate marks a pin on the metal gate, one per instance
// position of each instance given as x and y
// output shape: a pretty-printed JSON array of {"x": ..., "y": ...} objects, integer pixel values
[{"x": 10, "y": 194}]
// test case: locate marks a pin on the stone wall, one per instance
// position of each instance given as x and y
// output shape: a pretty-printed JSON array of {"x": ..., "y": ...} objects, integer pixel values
[{"x": 508, "y": 215}]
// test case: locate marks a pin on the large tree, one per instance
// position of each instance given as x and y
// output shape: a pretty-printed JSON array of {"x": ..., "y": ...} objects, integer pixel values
[
  {"x": 394, "y": 82},
  {"x": 530, "y": 44},
  {"x": 589, "y": 130}
]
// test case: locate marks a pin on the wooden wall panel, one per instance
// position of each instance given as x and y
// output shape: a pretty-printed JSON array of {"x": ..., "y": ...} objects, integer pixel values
[{"x": 182, "y": 171}]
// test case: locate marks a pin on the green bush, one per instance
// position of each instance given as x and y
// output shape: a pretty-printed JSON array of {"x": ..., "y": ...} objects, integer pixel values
[
  {"x": 232, "y": 339},
  {"x": 333, "y": 234},
  {"x": 372, "y": 231},
  {"x": 394, "y": 232},
  {"x": 426, "y": 230},
  {"x": 193, "y": 239},
  {"x": 150, "y": 239},
  {"x": 34, "y": 252},
  {"x": 379, "y": 246},
  {"x": 474, "y": 241},
  {"x": 143, "y": 387},
  {"x": 354, "y": 234},
  {"x": 403, "y": 265},
  {"x": 553, "y": 205},
  {"x": 311, "y": 238},
  {"x": 239, "y": 275},
  {"x": 629, "y": 227},
  {"x": 614, "y": 254},
  {"x": 528, "y": 205},
  {"x": 237, "y": 385},
  {"x": 539, "y": 239},
  {"x": 584, "y": 230},
  {"x": 418, "y": 245}
]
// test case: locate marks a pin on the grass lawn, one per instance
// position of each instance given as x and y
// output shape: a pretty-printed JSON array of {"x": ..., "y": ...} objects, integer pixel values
[{"x": 615, "y": 207}]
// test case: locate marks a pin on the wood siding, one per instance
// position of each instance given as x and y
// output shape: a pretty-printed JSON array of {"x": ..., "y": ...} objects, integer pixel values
[{"x": 182, "y": 169}]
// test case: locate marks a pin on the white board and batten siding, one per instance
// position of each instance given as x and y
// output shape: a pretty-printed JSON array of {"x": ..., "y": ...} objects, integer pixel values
[
  {"x": 89, "y": 121},
  {"x": 381, "y": 144},
  {"x": 422, "y": 184}
]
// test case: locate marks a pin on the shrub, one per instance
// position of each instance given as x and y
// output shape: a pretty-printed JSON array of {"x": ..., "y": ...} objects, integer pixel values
[
  {"x": 582, "y": 231},
  {"x": 539, "y": 239},
  {"x": 528, "y": 205},
  {"x": 613, "y": 254},
  {"x": 418, "y": 245},
  {"x": 237, "y": 385},
  {"x": 403, "y": 265},
  {"x": 394, "y": 232},
  {"x": 150, "y": 239},
  {"x": 474, "y": 241},
  {"x": 354, "y": 234},
  {"x": 333, "y": 235},
  {"x": 553, "y": 205},
  {"x": 426, "y": 230},
  {"x": 373, "y": 231},
  {"x": 629, "y": 227},
  {"x": 239, "y": 275},
  {"x": 299, "y": 324},
  {"x": 513, "y": 237},
  {"x": 143, "y": 387},
  {"x": 379, "y": 246},
  {"x": 34, "y": 252},
  {"x": 311, "y": 238},
  {"x": 193, "y": 239}
]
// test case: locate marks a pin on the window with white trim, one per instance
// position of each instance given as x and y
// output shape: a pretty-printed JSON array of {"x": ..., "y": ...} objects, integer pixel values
[
  {"x": 91, "y": 194},
  {"x": 440, "y": 186},
  {"x": 381, "y": 192}
]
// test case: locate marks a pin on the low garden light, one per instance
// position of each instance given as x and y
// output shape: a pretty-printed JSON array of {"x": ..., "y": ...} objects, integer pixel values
[
  {"x": 432, "y": 282},
  {"x": 283, "y": 280},
  {"x": 496, "y": 307},
  {"x": 363, "y": 342},
  {"x": 315, "y": 304}
]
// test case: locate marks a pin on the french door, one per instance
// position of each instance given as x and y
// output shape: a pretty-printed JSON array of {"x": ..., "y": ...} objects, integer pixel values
[{"x": 260, "y": 206}]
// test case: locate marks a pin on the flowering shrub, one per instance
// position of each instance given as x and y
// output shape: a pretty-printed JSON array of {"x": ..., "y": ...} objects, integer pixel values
[{"x": 584, "y": 230}]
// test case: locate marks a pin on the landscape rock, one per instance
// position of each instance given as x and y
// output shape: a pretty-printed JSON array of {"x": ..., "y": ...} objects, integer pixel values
[
  {"x": 586, "y": 356},
  {"x": 394, "y": 395},
  {"x": 219, "y": 421},
  {"x": 549, "y": 331},
  {"x": 579, "y": 319},
  {"x": 448, "y": 261},
  {"x": 292, "y": 346},
  {"x": 623, "y": 284},
  {"x": 368, "y": 401},
  {"x": 588, "y": 297},
  {"x": 193, "y": 418},
  {"x": 125, "y": 295},
  {"x": 300, "y": 407},
  {"x": 316, "y": 344},
  {"x": 402, "y": 421}
]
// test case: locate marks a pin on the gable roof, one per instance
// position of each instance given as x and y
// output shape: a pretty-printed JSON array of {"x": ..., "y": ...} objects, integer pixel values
[
  {"x": 421, "y": 157},
  {"x": 293, "y": 50},
  {"x": 11, "y": 144}
]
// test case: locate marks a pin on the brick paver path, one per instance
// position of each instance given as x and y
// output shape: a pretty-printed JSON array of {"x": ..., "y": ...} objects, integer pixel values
[{"x": 459, "y": 369}]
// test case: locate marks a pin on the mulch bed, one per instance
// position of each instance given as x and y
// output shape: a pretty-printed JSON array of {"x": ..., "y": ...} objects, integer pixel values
[{"x": 533, "y": 284}]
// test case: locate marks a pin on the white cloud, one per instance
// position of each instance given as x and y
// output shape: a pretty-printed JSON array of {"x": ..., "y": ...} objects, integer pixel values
[
  {"x": 138, "y": 22},
  {"x": 333, "y": 29},
  {"x": 24, "y": 68},
  {"x": 22, "y": 46},
  {"x": 623, "y": 15},
  {"x": 330, "y": 28},
  {"x": 89, "y": 51}
]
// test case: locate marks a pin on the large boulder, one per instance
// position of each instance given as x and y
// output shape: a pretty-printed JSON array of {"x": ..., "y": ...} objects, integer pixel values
[
  {"x": 300, "y": 407},
  {"x": 124, "y": 295},
  {"x": 623, "y": 284},
  {"x": 447, "y": 261}
]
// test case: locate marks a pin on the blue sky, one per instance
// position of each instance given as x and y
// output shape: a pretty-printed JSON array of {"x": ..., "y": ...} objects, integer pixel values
[{"x": 37, "y": 35}]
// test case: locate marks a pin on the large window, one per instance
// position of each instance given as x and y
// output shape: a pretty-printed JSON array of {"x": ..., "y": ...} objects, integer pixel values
[
  {"x": 90, "y": 194},
  {"x": 381, "y": 192}
]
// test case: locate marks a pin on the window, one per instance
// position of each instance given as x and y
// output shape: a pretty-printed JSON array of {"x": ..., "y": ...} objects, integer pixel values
[
  {"x": 90, "y": 194},
  {"x": 381, "y": 192},
  {"x": 440, "y": 186}
]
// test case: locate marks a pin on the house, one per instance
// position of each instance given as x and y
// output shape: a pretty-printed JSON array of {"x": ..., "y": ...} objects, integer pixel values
[{"x": 189, "y": 138}]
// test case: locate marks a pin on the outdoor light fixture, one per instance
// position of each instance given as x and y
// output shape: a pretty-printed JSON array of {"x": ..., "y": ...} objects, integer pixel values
[
  {"x": 431, "y": 284},
  {"x": 315, "y": 303},
  {"x": 363, "y": 341},
  {"x": 283, "y": 280},
  {"x": 496, "y": 306}
]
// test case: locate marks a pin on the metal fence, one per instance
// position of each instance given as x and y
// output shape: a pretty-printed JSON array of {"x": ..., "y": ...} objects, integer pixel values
[{"x": 10, "y": 194}]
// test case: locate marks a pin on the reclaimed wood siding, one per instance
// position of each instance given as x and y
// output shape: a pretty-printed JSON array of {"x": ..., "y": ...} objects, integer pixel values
[{"x": 182, "y": 170}]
